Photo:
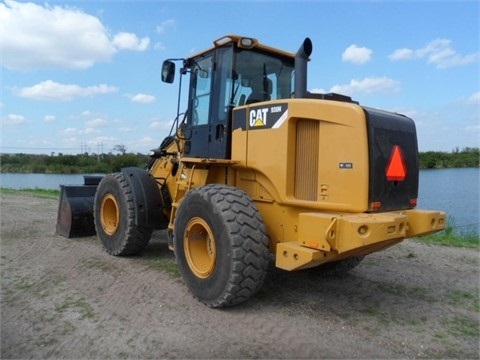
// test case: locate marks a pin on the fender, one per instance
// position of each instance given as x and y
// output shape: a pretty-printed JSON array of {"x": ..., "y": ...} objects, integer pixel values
[{"x": 146, "y": 198}]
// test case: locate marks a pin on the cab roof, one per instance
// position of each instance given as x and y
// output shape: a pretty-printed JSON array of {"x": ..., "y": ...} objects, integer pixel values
[{"x": 244, "y": 43}]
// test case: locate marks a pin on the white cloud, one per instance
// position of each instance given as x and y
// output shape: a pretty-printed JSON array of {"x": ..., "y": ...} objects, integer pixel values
[
  {"x": 161, "y": 125},
  {"x": 36, "y": 36},
  {"x": 49, "y": 118},
  {"x": 95, "y": 122},
  {"x": 409, "y": 112},
  {"x": 474, "y": 99},
  {"x": 127, "y": 129},
  {"x": 159, "y": 46},
  {"x": 104, "y": 138},
  {"x": 53, "y": 91},
  {"x": 156, "y": 125},
  {"x": 142, "y": 98},
  {"x": 369, "y": 85},
  {"x": 146, "y": 143},
  {"x": 130, "y": 41},
  {"x": 89, "y": 131},
  {"x": 438, "y": 52},
  {"x": 71, "y": 132},
  {"x": 13, "y": 119},
  {"x": 402, "y": 54},
  {"x": 356, "y": 54},
  {"x": 162, "y": 28},
  {"x": 319, "y": 91}
]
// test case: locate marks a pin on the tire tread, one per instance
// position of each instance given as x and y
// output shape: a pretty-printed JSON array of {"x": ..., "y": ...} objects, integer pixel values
[
  {"x": 249, "y": 242},
  {"x": 135, "y": 238}
]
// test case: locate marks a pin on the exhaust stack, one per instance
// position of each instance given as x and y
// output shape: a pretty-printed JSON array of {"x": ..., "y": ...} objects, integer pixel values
[{"x": 301, "y": 59}]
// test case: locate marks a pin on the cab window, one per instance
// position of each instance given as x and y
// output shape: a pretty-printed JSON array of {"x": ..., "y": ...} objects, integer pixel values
[{"x": 201, "y": 83}]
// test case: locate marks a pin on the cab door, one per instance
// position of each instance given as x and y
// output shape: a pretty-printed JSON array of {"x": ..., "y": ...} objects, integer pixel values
[
  {"x": 222, "y": 105},
  {"x": 208, "y": 129},
  {"x": 198, "y": 127}
]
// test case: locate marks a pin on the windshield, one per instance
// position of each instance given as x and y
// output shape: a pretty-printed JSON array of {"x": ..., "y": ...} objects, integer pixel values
[{"x": 229, "y": 77}]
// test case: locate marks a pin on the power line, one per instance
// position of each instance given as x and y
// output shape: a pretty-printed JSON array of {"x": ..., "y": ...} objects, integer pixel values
[{"x": 34, "y": 148}]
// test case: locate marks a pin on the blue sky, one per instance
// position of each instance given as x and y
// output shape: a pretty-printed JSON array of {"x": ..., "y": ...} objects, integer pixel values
[{"x": 82, "y": 76}]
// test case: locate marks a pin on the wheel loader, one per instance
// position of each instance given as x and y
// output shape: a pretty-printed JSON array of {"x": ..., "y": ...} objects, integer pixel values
[{"x": 258, "y": 169}]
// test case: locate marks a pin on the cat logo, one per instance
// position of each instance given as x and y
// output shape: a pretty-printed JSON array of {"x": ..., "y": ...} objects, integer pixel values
[{"x": 258, "y": 117}]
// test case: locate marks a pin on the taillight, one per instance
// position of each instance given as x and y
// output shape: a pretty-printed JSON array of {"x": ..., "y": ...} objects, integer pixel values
[{"x": 375, "y": 206}]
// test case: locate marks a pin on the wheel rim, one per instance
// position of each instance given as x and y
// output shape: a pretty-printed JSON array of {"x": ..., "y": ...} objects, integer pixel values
[
  {"x": 109, "y": 214},
  {"x": 200, "y": 249}
]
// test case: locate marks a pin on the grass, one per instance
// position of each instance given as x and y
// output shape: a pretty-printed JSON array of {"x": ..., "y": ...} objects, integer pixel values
[
  {"x": 463, "y": 326},
  {"x": 452, "y": 237},
  {"x": 79, "y": 305},
  {"x": 164, "y": 263},
  {"x": 415, "y": 292},
  {"x": 98, "y": 264},
  {"x": 469, "y": 299},
  {"x": 41, "y": 193},
  {"x": 23, "y": 283}
]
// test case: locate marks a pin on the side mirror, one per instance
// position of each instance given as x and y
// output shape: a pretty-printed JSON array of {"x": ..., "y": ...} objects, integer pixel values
[{"x": 168, "y": 71}]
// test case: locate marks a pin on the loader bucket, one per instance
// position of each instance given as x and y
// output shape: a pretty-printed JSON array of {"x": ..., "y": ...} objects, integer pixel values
[{"x": 75, "y": 210}]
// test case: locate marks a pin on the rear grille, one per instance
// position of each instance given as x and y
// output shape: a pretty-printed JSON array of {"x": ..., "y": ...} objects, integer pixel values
[{"x": 306, "y": 160}]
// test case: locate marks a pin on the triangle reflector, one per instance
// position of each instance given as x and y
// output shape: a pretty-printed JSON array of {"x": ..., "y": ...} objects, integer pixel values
[{"x": 396, "y": 169}]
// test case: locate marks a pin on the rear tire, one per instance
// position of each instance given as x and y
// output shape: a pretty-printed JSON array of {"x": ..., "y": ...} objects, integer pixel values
[
  {"x": 114, "y": 213},
  {"x": 338, "y": 268},
  {"x": 221, "y": 246}
]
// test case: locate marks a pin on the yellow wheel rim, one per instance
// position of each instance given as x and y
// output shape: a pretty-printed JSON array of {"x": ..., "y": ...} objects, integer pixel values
[
  {"x": 200, "y": 249},
  {"x": 109, "y": 214}
]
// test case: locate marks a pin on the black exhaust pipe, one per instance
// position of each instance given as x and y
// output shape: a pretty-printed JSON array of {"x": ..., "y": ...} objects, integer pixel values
[{"x": 301, "y": 59}]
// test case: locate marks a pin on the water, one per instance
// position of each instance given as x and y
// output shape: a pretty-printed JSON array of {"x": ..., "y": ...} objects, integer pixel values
[
  {"x": 40, "y": 181},
  {"x": 455, "y": 191}
]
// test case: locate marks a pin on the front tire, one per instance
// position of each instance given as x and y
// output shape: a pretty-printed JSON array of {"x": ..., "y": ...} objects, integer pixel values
[
  {"x": 114, "y": 214},
  {"x": 221, "y": 246}
]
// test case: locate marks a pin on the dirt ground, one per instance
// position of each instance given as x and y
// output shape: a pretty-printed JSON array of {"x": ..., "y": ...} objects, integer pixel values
[{"x": 67, "y": 298}]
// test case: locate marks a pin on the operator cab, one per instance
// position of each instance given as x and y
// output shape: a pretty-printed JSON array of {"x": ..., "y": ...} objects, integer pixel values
[{"x": 237, "y": 71}]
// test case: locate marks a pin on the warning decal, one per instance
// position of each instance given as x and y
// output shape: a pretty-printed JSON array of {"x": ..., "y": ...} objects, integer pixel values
[{"x": 396, "y": 169}]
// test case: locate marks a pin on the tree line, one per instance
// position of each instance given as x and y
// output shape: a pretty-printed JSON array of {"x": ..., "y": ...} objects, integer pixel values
[
  {"x": 467, "y": 157},
  {"x": 70, "y": 164},
  {"x": 108, "y": 163}
]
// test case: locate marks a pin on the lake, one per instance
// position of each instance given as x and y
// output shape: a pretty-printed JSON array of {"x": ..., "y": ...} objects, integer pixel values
[{"x": 455, "y": 191}]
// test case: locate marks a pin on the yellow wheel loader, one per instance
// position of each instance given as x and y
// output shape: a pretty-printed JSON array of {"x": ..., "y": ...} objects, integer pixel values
[{"x": 258, "y": 166}]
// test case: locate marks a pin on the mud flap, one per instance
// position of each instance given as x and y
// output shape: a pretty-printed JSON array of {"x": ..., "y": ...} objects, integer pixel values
[{"x": 75, "y": 210}]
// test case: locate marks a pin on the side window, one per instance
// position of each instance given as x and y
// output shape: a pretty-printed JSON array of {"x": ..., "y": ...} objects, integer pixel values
[
  {"x": 202, "y": 73},
  {"x": 263, "y": 77}
]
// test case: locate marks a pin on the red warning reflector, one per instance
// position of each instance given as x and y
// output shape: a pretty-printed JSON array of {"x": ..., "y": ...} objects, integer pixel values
[{"x": 396, "y": 169}]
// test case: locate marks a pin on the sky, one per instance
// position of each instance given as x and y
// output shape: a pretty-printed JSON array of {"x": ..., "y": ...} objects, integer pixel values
[{"x": 84, "y": 76}]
